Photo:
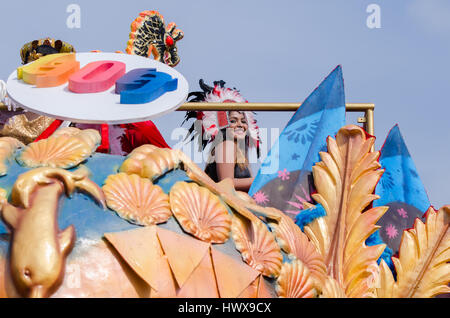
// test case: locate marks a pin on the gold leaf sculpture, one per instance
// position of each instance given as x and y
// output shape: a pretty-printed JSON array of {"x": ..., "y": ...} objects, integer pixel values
[
  {"x": 257, "y": 246},
  {"x": 200, "y": 212},
  {"x": 332, "y": 289},
  {"x": 8, "y": 146},
  {"x": 295, "y": 243},
  {"x": 295, "y": 281},
  {"x": 423, "y": 268},
  {"x": 150, "y": 162},
  {"x": 136, "y": 199},
  {"x": 345, "y": 180},
  {"x": 386, "y": 287},
  {"x": 57, "y": 152}
]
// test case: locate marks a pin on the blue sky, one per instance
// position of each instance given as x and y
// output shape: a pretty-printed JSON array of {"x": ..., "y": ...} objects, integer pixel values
[{"x": 279, "y": 51}]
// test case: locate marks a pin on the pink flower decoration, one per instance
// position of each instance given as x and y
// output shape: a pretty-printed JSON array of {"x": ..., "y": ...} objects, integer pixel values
[
  {"x": 391, "y": 231},
  {"x": 284, "y": 175},
  {"x": 299, "y": 204},
  {"x": 260, "y": 197},
  {"x": 402, "y": 213}
]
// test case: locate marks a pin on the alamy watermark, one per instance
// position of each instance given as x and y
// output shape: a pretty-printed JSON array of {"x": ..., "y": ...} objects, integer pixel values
[
  {"x": 73, "y": 21},
  {"x": 373, "y": 21}
]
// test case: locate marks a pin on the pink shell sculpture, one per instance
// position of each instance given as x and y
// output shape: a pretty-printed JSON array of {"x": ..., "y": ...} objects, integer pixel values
[
  {"x": 136, "y": 199},
  {"x": 200, "y": 212},
  {"x": 257, "y": 246},
  {"x": 88, "y": 136},
  {"x": 295, "y": 281},
  {"x": 57, "y": 152}
]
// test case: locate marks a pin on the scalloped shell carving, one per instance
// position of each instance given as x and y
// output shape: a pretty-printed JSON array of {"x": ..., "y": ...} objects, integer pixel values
[
  {"x": 56, "y": 152},
  {"x": 295, "y": 243},
  {"x": 151, "y": 162},
  {"x": 295, "y": 281},
  {"x": 89, "y": 136},
  {"x": 69, "y": 131},
  {"x": 136, "y": 199},
  {"x": 257, "y": 246},
  {"x": 200, "y": 212}
]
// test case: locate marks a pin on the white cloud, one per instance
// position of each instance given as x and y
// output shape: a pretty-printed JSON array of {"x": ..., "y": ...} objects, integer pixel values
[{"x": 433, "y": 15}]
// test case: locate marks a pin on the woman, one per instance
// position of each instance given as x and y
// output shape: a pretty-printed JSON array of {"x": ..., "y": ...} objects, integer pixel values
[{"x": 232, "y": 133}]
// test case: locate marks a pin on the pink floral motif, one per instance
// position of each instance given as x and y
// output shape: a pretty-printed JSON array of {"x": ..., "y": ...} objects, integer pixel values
[
  {"x": 299, "y": 205},
  {"x": 284, "y": 175},
  {"x": 260, "y": 197},
  {"x": 402, "y": 213},
  {"x": 391, "y": 231}
]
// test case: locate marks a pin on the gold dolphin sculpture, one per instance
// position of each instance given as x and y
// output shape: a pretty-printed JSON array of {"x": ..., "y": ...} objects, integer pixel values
[{"x": 38, "y": 248}]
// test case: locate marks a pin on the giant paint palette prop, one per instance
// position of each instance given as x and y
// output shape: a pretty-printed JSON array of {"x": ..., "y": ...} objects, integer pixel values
[{"x": 79, "y": 100}]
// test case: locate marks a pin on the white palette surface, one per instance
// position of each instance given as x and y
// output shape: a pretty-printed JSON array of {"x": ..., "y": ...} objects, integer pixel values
[{"x": 97, "y": 108}]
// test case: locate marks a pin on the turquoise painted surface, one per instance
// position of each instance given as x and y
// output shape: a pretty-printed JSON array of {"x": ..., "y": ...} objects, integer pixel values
[{"x": 89, "y": 219}]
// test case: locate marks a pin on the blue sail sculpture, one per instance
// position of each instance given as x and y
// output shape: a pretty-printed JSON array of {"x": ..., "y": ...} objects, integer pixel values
[
  {"x": 401, "y": 189},
  {"x": 284, "y": 180}
]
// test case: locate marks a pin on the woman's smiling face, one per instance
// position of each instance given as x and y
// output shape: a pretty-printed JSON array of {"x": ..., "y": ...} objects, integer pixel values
[{"x": 238, "y": 124}]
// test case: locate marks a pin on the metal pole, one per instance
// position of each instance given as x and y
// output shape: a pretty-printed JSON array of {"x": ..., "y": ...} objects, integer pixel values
[
  {"x": 289, "y": 107},
  {"x": 367, "y": 108}
]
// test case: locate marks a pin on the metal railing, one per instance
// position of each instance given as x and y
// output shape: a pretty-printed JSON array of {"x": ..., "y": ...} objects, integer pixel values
[
  {"x": 367, "y": 108},
  {"x": 367, "y": 120}
]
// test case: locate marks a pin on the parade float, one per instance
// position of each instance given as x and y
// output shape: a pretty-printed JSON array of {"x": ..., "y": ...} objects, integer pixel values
[{"x": 337, "y": 219}]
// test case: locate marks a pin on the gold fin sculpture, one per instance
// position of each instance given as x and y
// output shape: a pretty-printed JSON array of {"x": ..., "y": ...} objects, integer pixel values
[
  {"x": 136, "y": 199},
  {"x": 135, "y": 160},
  {"x": 225, "y": 190},
  {"x": 257, "y": 246},
  {"x": 345, "y": 180},
  {"x": 8, "y": 146},
  {"x": 295, "y": 281},
  {"x": 423, "y": 268},
  {"x": 38, "y": 249},
  {"x": 150, "y": 162},
  {"x": 200, "y": 212}
]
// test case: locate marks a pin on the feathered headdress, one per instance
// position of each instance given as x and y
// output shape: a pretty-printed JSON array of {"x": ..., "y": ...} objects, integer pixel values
[{"x": 213, "y": 121}]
